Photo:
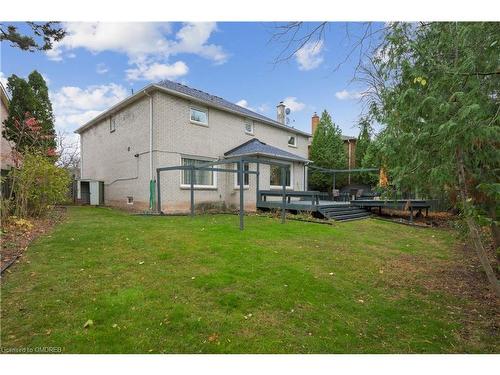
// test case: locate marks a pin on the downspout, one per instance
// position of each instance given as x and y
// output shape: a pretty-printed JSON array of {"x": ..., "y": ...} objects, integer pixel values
[{"x": 151, "y": 178}]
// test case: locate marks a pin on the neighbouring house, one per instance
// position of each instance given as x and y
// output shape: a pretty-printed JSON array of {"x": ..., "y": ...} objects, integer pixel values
[
  {"x": 6, "y": 161},
  {"x": 170, "y": 124}
]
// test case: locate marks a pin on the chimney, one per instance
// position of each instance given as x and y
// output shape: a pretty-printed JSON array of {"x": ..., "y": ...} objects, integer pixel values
[
  {"x": 280, "y": 113},
  {"x": 314, "y": 123}
]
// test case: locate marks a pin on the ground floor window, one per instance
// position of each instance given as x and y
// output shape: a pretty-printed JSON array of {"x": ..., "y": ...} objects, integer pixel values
[
  {"x": 275, "y": 177},
  {"x": 246, "y": 176},
  {"x": 201, "y": 178}
]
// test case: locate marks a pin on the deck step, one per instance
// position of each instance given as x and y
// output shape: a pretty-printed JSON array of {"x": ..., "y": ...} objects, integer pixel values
[
  {"x": 352, "y": 210},
  {"x": 343, "y": 213}
]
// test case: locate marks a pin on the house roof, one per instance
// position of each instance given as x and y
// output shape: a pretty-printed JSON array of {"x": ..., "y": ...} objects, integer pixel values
[
  {"x": 194, "y": 95},
  {"x": 255, "y": 147},
  {"x": 349, "y": 138}
]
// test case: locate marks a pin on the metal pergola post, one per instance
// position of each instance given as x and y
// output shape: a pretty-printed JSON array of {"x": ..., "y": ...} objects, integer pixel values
[
  {"x": 257, "y": 183},
  {"x": 283, "y": 183},
  {"x": 191, "y": 187},
  {"x": 242, "y": 183}
]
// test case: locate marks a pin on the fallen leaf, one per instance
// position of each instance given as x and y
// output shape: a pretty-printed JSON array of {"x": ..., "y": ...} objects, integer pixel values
[
  {"x": 88, "y": 323},
  {"x": 213, "y": 337},
  {"x": 141, "y": 262},
  {"x": 361, "y": 301}
]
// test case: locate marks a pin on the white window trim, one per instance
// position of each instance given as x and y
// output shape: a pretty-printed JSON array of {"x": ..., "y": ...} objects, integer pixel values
[
  {"x": 201, "y": 110},
  {"x": 294, "y": 145},
  {"x": 280, "y": 187},
  {"x": 199, "y": 187},
  {"x": 236, "y": 185},
  {"x": 253, "y": 127},
  {"x": 130, "y": 202}
]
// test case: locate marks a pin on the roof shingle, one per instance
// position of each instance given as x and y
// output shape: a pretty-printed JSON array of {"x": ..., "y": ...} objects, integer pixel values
[{"x": 256, "y": 147}]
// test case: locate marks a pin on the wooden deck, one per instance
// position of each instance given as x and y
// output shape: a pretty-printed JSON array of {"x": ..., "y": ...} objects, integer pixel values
[
  {"x": 301, "y": 205},
  {"x": 306, "y": 205}
]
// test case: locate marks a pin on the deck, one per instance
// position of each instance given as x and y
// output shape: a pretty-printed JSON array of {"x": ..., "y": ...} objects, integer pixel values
[{"x": 301, "y": 205}]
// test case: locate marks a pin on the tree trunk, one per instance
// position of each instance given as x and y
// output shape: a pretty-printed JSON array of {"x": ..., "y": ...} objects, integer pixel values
[
  {"x": 472, "y": 226},
  {"x": 495, "y": 230}
]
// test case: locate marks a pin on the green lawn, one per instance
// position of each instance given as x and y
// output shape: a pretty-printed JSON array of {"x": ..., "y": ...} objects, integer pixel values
[{"x": 199, "y": 285}]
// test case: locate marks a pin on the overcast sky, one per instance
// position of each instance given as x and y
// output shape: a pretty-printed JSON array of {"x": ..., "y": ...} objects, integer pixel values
[{"x": 98, "y": 64}]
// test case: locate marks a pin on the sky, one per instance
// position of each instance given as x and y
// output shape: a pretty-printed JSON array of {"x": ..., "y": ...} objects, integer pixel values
[{"x": 98, "y": 64}]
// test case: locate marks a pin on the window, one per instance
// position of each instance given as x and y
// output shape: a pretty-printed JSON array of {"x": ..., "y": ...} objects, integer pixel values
[
  {"x": 112, "y": 125},
  {"x": 201, "y": 178},
  {"x": 275, "y": 177},
  {"x": 130, "y": 200},
  {"x": 199, "y": 116},
  {"x": 246, "y": 176},
  {"x": 249, "y": 127},
  {"x": 292, "y": 141}
]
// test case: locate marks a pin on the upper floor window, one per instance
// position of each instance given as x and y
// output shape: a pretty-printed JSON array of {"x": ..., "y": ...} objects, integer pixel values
[
  {"x": 112, "y": 125},
  {"x": 249, "y": 126},
  {"x": 292, "y": 141},
  {"x": 199, "y": 116}
]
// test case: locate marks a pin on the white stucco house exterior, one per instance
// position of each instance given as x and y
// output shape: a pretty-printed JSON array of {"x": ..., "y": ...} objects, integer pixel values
[{"x": 170, "y": 124}]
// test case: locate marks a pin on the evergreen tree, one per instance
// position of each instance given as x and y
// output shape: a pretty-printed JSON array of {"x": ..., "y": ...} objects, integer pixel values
[
  {"x": 327, "y": 151},
  {"x": 439, "y": 103},
  {"x": 30, "y": 99},
  {"x": 362, "y": 144},
  {"x": 42, "y": 110}
]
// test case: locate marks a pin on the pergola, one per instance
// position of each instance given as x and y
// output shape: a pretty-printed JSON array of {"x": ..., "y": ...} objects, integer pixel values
[{"x": 240, "y": 170}]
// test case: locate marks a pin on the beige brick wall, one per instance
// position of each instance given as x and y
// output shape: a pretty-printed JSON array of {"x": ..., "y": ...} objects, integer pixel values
[
  {"x": 5, "y": 146},
  {"x": 105, "y": 155}
]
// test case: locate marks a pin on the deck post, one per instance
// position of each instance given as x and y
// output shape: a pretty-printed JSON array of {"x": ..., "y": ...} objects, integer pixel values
[
  {"x": 158, "y": 192},
  {"x": 333, "y": 180},
  {"x": 283, "y": 183},
  {"x": 240, "y": 176},
  {"x": 191, "y": 187}
]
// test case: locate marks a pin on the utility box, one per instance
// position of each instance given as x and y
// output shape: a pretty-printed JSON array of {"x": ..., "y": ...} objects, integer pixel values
[{"x": 90, "y": 192}]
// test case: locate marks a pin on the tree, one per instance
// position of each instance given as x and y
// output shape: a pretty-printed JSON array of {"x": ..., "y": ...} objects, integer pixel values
[
  {"x": 30, "y": 100},
  {"x": 42, "y": 110},
  {"x": 438, "y": 87},
  {"x": 43, "y": 38},
  {"x": 327, "y": 151},
  {"x": 362, "y": 144}
]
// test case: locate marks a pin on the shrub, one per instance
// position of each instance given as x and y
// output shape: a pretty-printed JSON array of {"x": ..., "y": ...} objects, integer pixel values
[{"x": 38, "y": 185}]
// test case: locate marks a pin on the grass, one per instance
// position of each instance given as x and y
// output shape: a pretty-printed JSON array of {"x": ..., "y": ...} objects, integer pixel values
[{"x": 199, "y": 285}]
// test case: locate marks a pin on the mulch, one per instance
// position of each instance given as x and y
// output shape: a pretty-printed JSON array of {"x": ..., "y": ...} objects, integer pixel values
[
  {"x": 16, "y": 238},
  {"x": 434, "y": 219}
]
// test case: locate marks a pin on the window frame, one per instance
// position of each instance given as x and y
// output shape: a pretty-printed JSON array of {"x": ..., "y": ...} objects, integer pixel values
[
  {"x": 199, "y": 109},
  {"x": 112, "y": 125},
  {"x": 245, "y": 176},
  {"x": 277, "y": 187},
  {"x": 199, "y": 187},
  {"x": 252, "y": 124},
  {"x": 295, "y": 141}
]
